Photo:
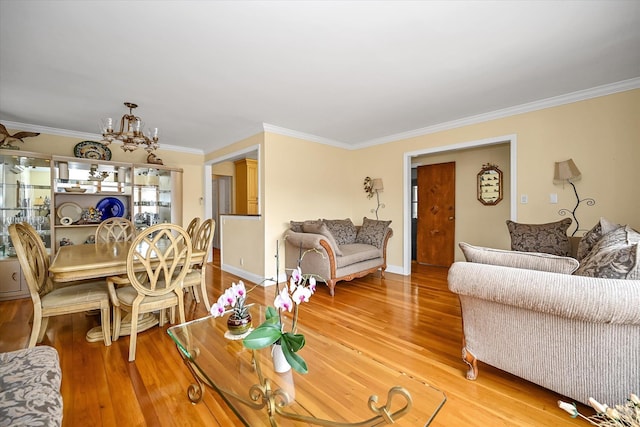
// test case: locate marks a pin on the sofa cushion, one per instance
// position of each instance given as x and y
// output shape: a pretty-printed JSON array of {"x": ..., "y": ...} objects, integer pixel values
[
  {"x": 372, "y": 232},
  {"x": 357, "y": 252},
  {"x": 297, "y": 225},
  {"x": 515, "y": 259},
  {"x": 550, "y": 238},
  {"x": 592, "y": 236},
  {"x": 614, "y": 256},
  {"x": 343, "y": 230},
  {"x": 321, "y": 228}
]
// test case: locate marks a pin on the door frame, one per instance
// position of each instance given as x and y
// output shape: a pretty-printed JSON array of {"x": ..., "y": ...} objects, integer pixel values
[{"x": 406, "y": 229}]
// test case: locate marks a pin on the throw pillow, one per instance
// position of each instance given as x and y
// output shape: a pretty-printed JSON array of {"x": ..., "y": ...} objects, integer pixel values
[
  {"x": 614, "y": 256},
  {"x": 321, "y": 228},
  {"x": 592, "y": 236},
  {"x": 515, "y": 259},
  {"x": 550, "y": 238},
  {"x": 343, "y": 230},
  {"x": 372, "y": 232},
  {"x": 297, "y": 225}
]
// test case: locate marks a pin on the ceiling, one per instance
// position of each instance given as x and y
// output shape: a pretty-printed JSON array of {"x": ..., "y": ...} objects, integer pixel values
[{"x": 349, "y": 73}]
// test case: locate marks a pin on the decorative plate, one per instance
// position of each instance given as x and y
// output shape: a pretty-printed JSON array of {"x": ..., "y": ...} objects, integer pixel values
[
  {"x": 70, "y": 210},
  {"x": 65, "y": 220},
  {"x": 110, "y": 207},
  {"x": 92, "y": 150}
]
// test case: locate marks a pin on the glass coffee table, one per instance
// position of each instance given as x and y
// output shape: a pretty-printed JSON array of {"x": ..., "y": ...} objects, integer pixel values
[{"x": 344, "y": 387}]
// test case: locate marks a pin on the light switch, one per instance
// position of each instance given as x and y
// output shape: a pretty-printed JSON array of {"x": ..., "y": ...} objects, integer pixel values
[
  {"x": 553, "y": 198},
  {"x": 524, "y": 199}
]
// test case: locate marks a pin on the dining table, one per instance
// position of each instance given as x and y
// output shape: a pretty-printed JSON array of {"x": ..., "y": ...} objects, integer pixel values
[{"x": 93, "y": 261}]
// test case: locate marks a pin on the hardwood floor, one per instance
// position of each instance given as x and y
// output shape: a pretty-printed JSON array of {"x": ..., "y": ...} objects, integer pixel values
[{"x": 412, "y": 323}]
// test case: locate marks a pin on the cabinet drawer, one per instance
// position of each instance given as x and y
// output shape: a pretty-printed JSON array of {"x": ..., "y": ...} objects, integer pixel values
[{"x": 12, "y": 284}]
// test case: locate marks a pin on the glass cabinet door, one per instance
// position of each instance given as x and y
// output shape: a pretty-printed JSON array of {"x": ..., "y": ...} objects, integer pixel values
[
  {"x": 25, "y": 195},
  {"x": 157, "y": 195}
]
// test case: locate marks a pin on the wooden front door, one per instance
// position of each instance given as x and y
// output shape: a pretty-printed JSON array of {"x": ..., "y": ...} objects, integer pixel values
[{"x": 436, "y": 214}]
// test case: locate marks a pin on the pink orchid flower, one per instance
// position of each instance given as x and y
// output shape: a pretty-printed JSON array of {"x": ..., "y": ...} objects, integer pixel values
[
  {"x": 239, "y": 289},
  {"x": 301, "y": 294},
  {"x": 283, "y": 300},
  {"x": 296, "y": 275},
  {"x": 217, "y": 310}
]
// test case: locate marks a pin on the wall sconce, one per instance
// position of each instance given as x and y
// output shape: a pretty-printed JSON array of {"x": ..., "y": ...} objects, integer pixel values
[
  {"x": 567, "y": 171},
  {"x": 371, "y": 186}
]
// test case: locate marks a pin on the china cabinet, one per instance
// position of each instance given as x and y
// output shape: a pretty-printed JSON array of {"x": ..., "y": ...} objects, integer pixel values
[
  {"x": 25, "y": 196},
  {"x": 66, "y": 198},
  {"x": 86, "y": 192}
]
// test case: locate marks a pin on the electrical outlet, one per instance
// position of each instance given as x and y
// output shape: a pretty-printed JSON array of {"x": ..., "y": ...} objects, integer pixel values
[
  {"x": 241, "y": 261},
  {"x": 524, "y": 199},
  {"x": 553, "y": 198}
]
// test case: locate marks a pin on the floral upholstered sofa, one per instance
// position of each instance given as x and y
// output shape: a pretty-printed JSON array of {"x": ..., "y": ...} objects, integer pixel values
[
  {"x": 571, "y": 325},
  {"x": 343, "y": 251},
  {"x": 30, "y": 387}
]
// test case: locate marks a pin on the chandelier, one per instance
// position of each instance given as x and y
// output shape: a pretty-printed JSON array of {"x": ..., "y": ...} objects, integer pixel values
[{"x": 130, "y": 132}]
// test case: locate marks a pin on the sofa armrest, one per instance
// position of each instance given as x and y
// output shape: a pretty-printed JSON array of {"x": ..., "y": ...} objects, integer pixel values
[
  {"x": 321, "y": 261},
  {"x": 307, "y": 241},
  {"x": 589, "y": 299}
]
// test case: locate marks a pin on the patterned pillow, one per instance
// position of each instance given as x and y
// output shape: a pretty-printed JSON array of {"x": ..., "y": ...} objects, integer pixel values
[
  {"x": 592, "y": 236},
  {"x": 343, "y": 230},
  {"x": 550, "y": 238},
  {"x": 614, "y": 256},
  {"x": 321, "y": 228},
  {"x": 515, "y": 259},
  {"x": 372, "y": 232}
]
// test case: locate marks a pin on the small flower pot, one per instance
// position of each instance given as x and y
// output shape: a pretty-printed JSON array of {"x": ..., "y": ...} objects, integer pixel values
[{"x": 238, "y": 326}]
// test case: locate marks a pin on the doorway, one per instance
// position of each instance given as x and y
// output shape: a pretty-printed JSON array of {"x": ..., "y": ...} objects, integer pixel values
[
  {"x": 436, "y": 214},
  {"x": 220, "y": 202},
  {"x": 409, "y": 156}
]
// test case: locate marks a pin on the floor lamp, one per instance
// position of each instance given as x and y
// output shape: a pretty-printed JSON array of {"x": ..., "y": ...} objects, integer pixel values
[{"x": 567, "y": 171}]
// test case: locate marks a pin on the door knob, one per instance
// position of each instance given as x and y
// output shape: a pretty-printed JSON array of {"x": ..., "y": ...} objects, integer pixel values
[{"x": 451, "y": 218}]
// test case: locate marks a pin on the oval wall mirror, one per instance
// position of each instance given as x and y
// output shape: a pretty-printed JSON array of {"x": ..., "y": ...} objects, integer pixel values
[{"x": 490, "y": 185}]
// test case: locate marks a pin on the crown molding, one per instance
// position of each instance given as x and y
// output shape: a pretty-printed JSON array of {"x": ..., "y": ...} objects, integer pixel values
[
  {"x": 306, "y": 136},
  {"x": 87, "y": 136},
  {"x": 555, "y": 101}
]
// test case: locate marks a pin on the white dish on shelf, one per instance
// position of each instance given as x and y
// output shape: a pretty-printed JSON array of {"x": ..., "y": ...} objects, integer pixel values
[
  {"x": 66, "y": 220},
  {"x": 76, "y": 189},
  {"x": 70, "y": 210}
]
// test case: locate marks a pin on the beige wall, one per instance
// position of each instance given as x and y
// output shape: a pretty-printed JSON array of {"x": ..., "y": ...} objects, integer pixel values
[{"x": 305, "y": 180}]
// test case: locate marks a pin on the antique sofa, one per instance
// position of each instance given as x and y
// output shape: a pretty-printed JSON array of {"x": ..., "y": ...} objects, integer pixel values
[
  {"x": 337, "y": 249},
  {"x": 570, "y": 326},
  {"x": 30, "y": 387}
]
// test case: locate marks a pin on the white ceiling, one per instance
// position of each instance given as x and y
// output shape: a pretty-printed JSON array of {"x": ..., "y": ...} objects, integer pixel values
[{"x": 351, "y": 73}]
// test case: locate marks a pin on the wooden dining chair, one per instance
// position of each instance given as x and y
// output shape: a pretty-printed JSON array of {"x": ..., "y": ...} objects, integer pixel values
[
  {"x": 163, "y": 253},
  {"x": 196, "y": 276},
  {"x": 192, "y": 228},
  {"x": 115, "y": 229},
  {"x": 47, "y": 301}
]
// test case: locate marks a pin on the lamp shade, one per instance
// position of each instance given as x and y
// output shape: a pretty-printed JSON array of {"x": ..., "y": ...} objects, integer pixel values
[
  {"x": 566, "y": 171},
  {"x": 376, "y": 184}
]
